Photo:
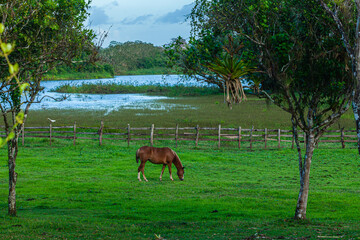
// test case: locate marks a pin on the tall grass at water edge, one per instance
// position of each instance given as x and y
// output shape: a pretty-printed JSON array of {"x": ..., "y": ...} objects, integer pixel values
[
  {"x": 89, "y": 191},
  {"x": 149, "y": 71},
  {"x": 151, "y": 89}
]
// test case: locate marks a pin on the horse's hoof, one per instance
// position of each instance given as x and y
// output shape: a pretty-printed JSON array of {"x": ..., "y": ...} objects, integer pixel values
[{"x": 139, "y": 180}]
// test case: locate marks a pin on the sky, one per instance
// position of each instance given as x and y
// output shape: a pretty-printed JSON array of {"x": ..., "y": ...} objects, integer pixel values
[{"x": 151, "y": 21}]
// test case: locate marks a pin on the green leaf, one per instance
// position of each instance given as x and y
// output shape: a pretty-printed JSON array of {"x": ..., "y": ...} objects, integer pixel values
[
  {"x": 13, "y": 69},
  {"x": 10, "y": 136},
  {"x": 6, "y": 47},
  {"x": 2, "y": 28},
  {"x": 20, "y": 117},
  {"x": 24, "y": 86}
]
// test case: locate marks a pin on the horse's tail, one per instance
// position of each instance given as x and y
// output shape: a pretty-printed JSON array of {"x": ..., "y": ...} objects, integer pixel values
[{"x": 137, "y": 155}]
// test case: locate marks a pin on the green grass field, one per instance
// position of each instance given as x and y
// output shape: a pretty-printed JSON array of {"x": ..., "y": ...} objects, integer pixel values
[
  {"x": 89, "y": 191},
  {"x": 92, "y": 192}
]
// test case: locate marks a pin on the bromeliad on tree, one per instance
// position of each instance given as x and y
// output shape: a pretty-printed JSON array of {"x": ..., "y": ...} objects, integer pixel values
[{"x": 231, "y": 68}]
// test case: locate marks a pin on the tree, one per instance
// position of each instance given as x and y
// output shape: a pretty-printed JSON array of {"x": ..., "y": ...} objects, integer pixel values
[
  {"x": 214, "y": 57},
  {"x": 191, "y": 58},
  {"x": 130, "y": 56},
  {"x": 346, "y": 22},
  {"x": 5, "y": 50},
  {"x": 298, "y": 54},
  {"x": 45, "y": 34}
]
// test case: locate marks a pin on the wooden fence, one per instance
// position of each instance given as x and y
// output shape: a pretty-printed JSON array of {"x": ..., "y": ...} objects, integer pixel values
[{"x": 249, "y": 138}]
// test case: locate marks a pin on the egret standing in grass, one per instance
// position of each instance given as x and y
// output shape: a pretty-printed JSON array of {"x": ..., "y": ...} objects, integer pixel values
[{"x": 51, "y": 120}]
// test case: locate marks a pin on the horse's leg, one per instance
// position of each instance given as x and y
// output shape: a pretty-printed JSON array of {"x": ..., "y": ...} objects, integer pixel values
[
  {"x": 143, "y": 173},
  {"x": 169, "y": 165},
  {"x": 141, "y": 169},
  {"x": 162, "y": 171}
]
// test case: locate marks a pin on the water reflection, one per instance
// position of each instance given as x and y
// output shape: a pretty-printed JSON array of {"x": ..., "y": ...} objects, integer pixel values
[{"x": 109, "y": 102}]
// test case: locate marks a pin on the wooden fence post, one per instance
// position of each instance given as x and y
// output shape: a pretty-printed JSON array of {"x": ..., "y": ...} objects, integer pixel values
[
  {"x": 74, "y": 133},
  {"x": 251, "y": 133},
  {"x": 197, "y": 135},
  {"x": 101, "y": 131},
  {"x": 152, "y": 135},
  {"x": 265, "y": 137},
  {"x": 23, "y": 133},
  {"x": 50, "y": 130},
  {"x": 128, "y": 138},
  {"x": 252, "y": 137},
  {"x": 219, "y": 136},
  {"x": 279, "y": 138},
  {"x": 239, "y": 138},
  {"x": 176, "y": 134},
  {"x": 342, "y": 138}
]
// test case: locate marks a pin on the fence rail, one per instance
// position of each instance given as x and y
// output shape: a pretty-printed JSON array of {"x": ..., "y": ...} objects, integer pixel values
[{"x": 197, "y": 134}]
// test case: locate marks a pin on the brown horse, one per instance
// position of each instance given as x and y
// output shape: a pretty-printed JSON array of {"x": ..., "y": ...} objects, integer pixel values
[{"x": 164, "y": 156}]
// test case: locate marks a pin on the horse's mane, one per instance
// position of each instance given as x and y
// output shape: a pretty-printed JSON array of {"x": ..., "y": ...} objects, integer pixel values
[{"x": 176, "y": 158}]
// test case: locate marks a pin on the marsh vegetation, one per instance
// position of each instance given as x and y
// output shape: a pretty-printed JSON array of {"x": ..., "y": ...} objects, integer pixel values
[{"x": 178, "y": 90}]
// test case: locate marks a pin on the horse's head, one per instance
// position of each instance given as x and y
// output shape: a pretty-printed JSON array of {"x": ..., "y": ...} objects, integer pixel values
[{"x": 180, "y": 173}]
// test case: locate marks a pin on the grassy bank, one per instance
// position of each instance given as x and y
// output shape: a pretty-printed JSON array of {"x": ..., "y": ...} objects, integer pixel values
[
  {"x": 157, "y": 89},
  {"x": 77, "y": 75},
  {"x": 91, "y": 192},
  {"x": 149, "y": 71}
]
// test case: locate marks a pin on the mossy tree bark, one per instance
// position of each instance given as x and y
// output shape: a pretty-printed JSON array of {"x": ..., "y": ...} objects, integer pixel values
[
  {"x": 12, "y": 154},
  {"x": 304, "y": 170}
]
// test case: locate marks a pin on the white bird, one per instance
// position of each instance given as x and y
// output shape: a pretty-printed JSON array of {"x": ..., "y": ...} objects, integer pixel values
[{"x": 51, "y": 120}]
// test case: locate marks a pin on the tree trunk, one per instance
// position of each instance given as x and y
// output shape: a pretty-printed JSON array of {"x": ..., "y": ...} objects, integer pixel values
[
  {"x": 356, "y": 72},
  {"x": 304, "y": 169},
  {"x": 356, "y": 110},
  {"x": 353, "y": 51},
  {"x": 12, "y": 154}
]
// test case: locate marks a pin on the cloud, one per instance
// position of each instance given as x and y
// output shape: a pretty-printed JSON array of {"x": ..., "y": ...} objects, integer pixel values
[
  {"x": 115, "y": 3},
  {"x": 98, "y": 16},
  {"x": 177, "y": 16},
  {"x": 138, "y": 20}
]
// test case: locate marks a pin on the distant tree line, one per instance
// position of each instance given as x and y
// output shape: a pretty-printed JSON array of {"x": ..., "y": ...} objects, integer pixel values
[
  {"x": 135, "y": 58},
  {"x": 81, "y": 68},
  {"x": 129, "y": 58}
]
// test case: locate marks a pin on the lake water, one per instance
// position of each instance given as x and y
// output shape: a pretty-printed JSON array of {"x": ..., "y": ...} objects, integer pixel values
[{"x": 109, "y": 102}]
